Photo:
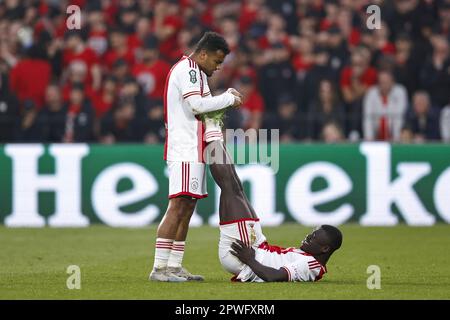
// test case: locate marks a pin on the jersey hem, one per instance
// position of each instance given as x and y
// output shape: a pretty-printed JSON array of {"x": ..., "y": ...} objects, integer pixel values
[{"x": 238, "y": 220}]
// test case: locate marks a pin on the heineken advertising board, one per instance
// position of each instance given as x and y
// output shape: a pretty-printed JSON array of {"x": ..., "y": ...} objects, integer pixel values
[{"x": 76, "y": 185}]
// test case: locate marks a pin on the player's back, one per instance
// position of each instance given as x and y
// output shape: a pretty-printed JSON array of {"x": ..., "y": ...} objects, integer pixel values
[{"x": 184, "y": 132}]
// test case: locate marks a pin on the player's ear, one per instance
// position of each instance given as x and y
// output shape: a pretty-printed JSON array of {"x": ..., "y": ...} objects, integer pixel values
[
  {"x": 203, "y": 54},
  {"x": 326, "y": 249}
]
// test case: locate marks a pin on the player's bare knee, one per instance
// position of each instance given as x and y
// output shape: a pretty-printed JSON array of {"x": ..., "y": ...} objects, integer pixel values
[{"x": 181, "y": 207}]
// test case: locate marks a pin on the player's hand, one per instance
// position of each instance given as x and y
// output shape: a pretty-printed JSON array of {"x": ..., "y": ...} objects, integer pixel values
[
  {"x": 237, "y": 102},
  {"x": 238, "y": 97},
  {"x": 233, "y": 91},
  {"x": 242, "y": 252}
]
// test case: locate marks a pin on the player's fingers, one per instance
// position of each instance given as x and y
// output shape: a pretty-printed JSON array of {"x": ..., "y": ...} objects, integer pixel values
[
  {"x": 234, "y": 253},
  {"x": 235, "y": 246},
  {"x": 240, "y": 243}
]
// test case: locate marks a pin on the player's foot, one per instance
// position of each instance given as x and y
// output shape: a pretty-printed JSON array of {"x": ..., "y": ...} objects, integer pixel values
[
  {"x": 182, "y": 272},
  {"x": 213, "y": 125},
  {"x": 164, "y": 275}
]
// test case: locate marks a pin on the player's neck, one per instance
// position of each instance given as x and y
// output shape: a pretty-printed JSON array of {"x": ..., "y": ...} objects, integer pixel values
[
  {"x": 196, "y": 59},
  {"x": 322, "y": 259}
]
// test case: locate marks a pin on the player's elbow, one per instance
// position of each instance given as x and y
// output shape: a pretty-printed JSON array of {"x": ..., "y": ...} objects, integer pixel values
[
  {"x": 275, "y": 275},
  {"x": 195, "y": 104}
]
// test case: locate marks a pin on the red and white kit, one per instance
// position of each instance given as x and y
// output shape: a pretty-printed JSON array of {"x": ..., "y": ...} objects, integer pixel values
[
  {"x": 299, "y": 265},
  {"x": 186, "y": 96}
]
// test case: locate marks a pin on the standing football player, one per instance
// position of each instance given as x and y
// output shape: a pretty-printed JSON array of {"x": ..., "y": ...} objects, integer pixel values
[{"x": 186, "y": 97}]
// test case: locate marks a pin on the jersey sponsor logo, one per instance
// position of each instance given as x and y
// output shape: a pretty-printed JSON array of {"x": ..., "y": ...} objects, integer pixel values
[
  {"x": 252, "y": 234},
  {"x": 193, "y": 76}
]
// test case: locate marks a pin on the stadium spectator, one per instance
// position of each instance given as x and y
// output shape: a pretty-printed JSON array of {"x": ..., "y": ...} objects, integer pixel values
[
  {"x": 152, "y": 72},
  {"x": 103, "y": 100},
  {"x": 9, "y": 110},
  {"x": 153, "y": 123},
  {"x": 275, "y": 71},
  {"x": 406, "y": 63},
  {"x": 130, "y": 90},
  {"x": 250, "y": 114},
  {"x": 423, "y": 119},
  {"x": 329, "y": 58},
  {"x": 325, "y": 109},
  {"x": 435, "y": 73},
  {"x": 286, "y": 47},
  {"x": 53, "y": 114},
  {"x": 97, "y": 38},
  {"x": 79, "y": 56},
  {"x": 385, "y": 107},
  {"x": 287, "y": 120},
  {"x": 355, "y": 80},
  {"x": 166, "y": 25},
  {"x": 120, "y": 71},
  {"x": 120, "y": 124},
  {"x": 79, "y": 119},
  {"x": 406, "y": 134},
  {"x": 332, "y": 133},
  {"x": 337, "y": 49},
  {"x": 118, "y": 49},
  {"x": 445, "y": 123},
  {"x": 24, "y": 74},
  {"x": 30, "y": 126}
]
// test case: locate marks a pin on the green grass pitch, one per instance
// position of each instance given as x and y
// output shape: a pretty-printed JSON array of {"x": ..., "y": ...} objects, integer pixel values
[{"x": 115, "y": 262}]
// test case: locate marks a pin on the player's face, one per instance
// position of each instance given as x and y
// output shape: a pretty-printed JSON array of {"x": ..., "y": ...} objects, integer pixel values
[
  {"x": 316, "y": 242},
  {"x": 212, "y": 61}
]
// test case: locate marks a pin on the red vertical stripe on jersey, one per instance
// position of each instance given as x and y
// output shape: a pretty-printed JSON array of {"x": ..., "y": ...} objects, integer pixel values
[
  {"x": 188, "y": 165},
  {"x": 240, "y": 232},
  {"x": 244, "y": 232},
  {"x": 165, "y": 107},
  {"x": 182, "y": 177},
  {"x": 200, "y": 141}
]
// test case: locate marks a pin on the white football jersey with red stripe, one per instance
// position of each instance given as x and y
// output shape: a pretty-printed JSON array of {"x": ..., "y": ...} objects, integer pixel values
[
  {"x": 184, "y": 131},
  {"x": 300, "y": 266}
]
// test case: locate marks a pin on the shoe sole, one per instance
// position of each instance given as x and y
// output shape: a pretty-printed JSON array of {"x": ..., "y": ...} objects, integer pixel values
[{"x": 165, "y": 278}]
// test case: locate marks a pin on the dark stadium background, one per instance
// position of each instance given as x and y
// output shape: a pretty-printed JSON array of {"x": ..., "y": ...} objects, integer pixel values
[{"x": 297, "y": 63}]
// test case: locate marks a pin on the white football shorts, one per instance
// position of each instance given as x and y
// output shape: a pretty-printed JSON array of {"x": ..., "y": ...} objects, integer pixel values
[
  {"x": 187, "y": 179},
  {"x": 248, "y": 231}
]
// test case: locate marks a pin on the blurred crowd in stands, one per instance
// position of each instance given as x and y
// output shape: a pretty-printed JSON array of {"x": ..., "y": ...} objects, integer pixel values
[{"x": 310, "y": 68}]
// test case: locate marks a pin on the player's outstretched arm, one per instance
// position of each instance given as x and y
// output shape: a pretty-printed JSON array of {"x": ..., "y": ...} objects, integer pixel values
[
  {"x": 247, "y": 255},
  {"x": 201, "y": 105}
]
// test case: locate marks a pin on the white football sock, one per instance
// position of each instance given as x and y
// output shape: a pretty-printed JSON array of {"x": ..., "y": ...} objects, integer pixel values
[
  {"x": 176, "y": 255},
  {"x": 163, "y": 248},
  {"x": 213, "y": 131}
]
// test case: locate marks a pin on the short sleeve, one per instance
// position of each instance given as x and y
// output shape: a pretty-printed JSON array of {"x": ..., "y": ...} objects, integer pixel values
[{"x": 303, "y": 270}]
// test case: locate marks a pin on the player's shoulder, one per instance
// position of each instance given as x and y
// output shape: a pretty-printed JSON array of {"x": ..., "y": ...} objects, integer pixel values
[
  {"x": 304, "y": 256},
  {"x": 184, "y": 64},
  {"x": 308, "y": 260}
]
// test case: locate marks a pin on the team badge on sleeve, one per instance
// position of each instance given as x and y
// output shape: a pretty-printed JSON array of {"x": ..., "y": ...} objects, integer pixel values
[{"x": 193, "y": 75}]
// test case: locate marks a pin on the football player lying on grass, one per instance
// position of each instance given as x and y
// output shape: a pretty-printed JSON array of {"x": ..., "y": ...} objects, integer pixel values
[{"x": 243, "y": 249}]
